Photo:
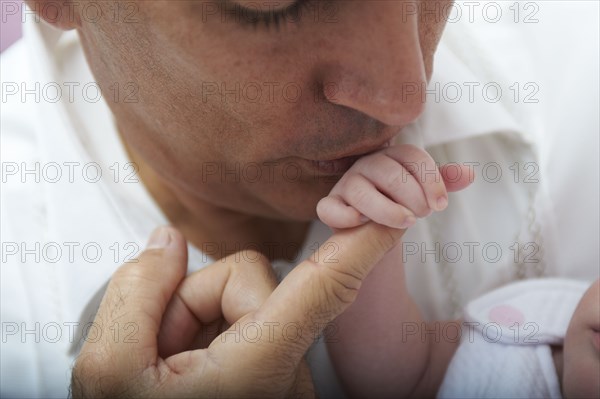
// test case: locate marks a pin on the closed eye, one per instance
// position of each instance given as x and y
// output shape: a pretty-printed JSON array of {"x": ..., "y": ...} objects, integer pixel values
[{"x": 260, "y": 14}]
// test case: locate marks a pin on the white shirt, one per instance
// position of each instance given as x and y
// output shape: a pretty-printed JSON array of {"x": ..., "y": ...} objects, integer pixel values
[{"x": 103, "y": 222}]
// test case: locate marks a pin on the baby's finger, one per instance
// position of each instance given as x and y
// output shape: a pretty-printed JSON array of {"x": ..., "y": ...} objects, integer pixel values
[
  {"x": 393, "y": 180},
  {"x": 335, "y": 213},
  {"x": 361, "y": 194},
  {"x": 420, "y": 164},
  {"x": 456, "y": 176}
]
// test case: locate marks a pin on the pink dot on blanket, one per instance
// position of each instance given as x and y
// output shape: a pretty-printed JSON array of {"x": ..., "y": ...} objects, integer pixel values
[{"x": 506, "y": 315}]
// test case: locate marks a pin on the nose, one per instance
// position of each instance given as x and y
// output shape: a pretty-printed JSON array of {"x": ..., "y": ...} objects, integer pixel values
[{"x": 376, "y": 65}]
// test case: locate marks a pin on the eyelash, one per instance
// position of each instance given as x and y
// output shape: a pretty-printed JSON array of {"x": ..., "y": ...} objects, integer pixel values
[{"x": 273, "y": 18}]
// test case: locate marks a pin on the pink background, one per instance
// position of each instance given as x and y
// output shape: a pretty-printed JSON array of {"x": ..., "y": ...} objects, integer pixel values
[{"x": 10, "y": 25}]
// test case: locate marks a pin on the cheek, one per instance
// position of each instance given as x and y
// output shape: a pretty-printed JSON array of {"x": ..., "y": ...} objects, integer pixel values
[
  {"x": 432, "y": 20},
  {"x": 581, "y": 378}
]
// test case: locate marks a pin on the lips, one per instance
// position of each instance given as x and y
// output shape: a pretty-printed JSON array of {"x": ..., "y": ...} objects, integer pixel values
[
  {"x": 344, "y": 162},
  {"x": 596, "y": 339}
]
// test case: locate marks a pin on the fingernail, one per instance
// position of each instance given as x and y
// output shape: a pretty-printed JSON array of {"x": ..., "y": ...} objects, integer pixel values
[
  {"x": 364, "y": 219},
  {"x": 442, "y": 203},
  {"x": 409, "y": 221},
  {"x": 160, "y": 238}
]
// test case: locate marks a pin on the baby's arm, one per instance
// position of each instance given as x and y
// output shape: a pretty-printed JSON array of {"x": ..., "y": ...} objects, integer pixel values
[{"x": 379, "y": 349}]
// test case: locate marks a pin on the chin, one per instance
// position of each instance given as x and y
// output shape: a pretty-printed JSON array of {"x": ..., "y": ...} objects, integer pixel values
[{"x": 293, "y": 202}]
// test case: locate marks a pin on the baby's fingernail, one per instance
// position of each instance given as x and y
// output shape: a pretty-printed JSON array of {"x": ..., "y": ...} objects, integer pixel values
[
  {"x": 409, "y": 221},
  {"x": 442, "y": 203},
  {"x": 364, "y": 219}
]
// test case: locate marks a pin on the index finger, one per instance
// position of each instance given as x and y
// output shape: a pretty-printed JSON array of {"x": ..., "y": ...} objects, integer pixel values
[{"x": 323, "y": 286}]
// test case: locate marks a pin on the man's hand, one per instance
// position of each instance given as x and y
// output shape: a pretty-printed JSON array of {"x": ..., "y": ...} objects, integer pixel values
[{"x": 268, "y": 328}]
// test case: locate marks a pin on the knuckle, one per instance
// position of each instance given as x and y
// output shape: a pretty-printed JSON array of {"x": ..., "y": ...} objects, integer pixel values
[
  {"x": 359, "y": 193},
  {"x": 251, "y": 262},
  {"x": 95, "y": 375},
  {"x": 341, "y": 283},
  {"x": 422, "y": 210},
  {"x": 248, "y": 259},
  {"x": 149, "y": 256},
  {"x": 398, "y": 216},
  {"x": 397, "y": 183},
  {"x": 137, "y": 267},
  {"x": 360, "y": 197},
  {"x": 328, "y": 291},
  {"x": 92, "y": 376},
  {"x": 340, "y": 291},
  {"x": 384, "y": 240},
  {"x": 131, "y": 275}
]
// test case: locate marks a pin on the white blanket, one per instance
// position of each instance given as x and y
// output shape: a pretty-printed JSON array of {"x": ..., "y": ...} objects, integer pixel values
[{"x": 505, "y": 345}]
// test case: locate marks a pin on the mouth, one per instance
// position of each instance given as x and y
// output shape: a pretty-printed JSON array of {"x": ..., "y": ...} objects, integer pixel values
[
  {"x": 340, "y": 163},
  {"x": 596, "y": 338}
]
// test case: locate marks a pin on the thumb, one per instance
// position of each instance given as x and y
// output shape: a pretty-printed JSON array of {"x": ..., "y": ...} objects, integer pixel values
[
  {"x": 134, "y": 303},
  {"x": 323, "y": 286}
]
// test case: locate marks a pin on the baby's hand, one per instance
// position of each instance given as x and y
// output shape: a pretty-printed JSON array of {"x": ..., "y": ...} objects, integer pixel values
[{"x": 392, "y": 187}]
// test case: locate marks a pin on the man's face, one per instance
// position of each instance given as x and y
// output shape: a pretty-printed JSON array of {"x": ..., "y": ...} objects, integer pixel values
[{"x": 238, "y": 114}]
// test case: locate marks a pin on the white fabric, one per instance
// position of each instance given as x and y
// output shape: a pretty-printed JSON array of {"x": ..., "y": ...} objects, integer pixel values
[
  {"x": 560, "y": 136},
  {"x": 563, "y": 131},
  {"x": 501, "y": 371},
  {"x": 505, "y": 346},
  {"x": 529, "y": 312}
]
